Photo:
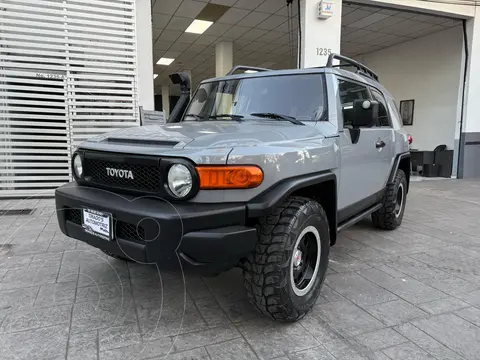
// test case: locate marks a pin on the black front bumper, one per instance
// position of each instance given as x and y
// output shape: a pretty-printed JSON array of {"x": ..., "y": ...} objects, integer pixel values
[{"x": 211, "y": 237}]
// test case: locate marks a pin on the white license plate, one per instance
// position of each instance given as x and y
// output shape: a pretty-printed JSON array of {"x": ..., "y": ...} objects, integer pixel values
[{"x": 97, "y": 223}]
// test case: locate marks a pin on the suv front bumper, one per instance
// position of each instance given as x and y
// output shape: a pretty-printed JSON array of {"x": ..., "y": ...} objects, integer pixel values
[{"x": 210, "y": 237}]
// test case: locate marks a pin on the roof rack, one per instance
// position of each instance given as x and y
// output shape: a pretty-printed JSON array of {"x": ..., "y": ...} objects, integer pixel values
[
  {"x": 361, "y": 69},
  {"x": 243, "y": 67}
]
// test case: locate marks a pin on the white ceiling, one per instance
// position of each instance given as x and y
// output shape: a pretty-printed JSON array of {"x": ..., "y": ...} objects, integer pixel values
[{"x": 260, "y": 32}]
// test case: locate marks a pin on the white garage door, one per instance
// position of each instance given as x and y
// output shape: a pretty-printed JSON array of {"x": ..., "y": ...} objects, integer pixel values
[{"x": 67, "y": 72}]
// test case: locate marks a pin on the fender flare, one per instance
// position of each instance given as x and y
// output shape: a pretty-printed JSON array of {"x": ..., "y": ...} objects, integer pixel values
[
  {"x": 278, "y": 193},
  {"x": 395, "y": 166},
  {"x": 264, "y": 203}
]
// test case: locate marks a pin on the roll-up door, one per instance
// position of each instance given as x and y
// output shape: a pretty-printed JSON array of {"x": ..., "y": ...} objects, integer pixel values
[{"x": 67, "y": 72}]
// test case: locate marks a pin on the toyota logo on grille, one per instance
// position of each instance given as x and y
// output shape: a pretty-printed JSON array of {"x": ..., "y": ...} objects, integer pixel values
[{"x": 119, "y": 173}]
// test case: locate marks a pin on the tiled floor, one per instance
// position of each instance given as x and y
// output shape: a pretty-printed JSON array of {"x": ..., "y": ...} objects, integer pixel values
[{"x": 409, "y": 294}]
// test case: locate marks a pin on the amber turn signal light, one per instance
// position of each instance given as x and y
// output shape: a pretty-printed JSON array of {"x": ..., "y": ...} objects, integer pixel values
[{"x": 229, "y": 177}]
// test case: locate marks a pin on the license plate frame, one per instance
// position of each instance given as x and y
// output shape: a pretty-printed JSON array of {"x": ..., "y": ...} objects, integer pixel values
[{"x": 97, "y": 223}]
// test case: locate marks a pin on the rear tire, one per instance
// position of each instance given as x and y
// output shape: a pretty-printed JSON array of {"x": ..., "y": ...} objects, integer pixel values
[
  {"x": 284, "y": 275},
  {"x": 390, "y": 215}
]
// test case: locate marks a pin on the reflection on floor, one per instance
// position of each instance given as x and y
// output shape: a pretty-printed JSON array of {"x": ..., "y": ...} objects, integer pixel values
[{"x": 422, "y": 178}]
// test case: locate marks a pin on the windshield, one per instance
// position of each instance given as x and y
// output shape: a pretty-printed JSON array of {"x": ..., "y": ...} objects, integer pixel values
[{"x": 289, "y": 97}]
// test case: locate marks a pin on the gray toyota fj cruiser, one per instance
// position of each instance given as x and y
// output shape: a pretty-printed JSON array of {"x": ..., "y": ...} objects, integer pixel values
[{"x": 258, "y": 170}]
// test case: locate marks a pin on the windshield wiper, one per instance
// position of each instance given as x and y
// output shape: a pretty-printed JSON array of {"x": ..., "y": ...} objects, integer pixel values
[
  {"x": 205, "y": 118},
  {"x": 231, "y": 116},
  {"x": 278, "y": 117}
]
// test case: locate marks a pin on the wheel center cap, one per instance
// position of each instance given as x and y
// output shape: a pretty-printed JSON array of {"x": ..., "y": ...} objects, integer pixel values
[{"x": 297, "y": 258}]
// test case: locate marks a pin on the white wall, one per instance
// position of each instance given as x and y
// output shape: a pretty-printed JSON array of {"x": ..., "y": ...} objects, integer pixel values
[
  {"x": 472, "y": 122},
  {"x": 143, "y": 15},
  {"x": 427, "y": 70}
]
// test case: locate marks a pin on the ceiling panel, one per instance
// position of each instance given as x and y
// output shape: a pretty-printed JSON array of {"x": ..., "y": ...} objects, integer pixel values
[
  {"x": 188, "y": 38},
  {"x": 189, "y": 8},
  {"x": 236, "y": 31},
  {"x": 285, "y": 26},
  {"x": 156, "y": 33},
  {"x": 254, "y": 45},
  {"x": 218, "y": 29},
  {"x": 160, "y": 21},
  {"x": 233, "y": 16},
  {"x": 358, "y": 33},
  {"x": 383, "y": 24},
  {"x": 224, "y": 2},
  {"x": 166, "y": 6},
  {"x": 253, "y": 19},
  {"x": 162, "y": 45},
  {"x": 206, "y": 39},
  {"x": 271, "y": 6},
  {"x": 196, "y": 48},
  {"x": 259, "y": 30},
  {"x": 354, "y": 16},
  {"x": 179, "y": 23},
  {"x": 180, "y": 47},
  {"x": 253, "y": 34},
  {"x": 368, "y": 20},
  {"x": 271, "y": 36},
  {"x": 169, "y": 35},
  {"x": 248, "y": 4},
  {"x": 272, "y": 22}
]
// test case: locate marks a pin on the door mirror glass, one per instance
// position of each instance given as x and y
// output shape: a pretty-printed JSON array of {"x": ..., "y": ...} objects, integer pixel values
[{"x": 365, "y": 113}]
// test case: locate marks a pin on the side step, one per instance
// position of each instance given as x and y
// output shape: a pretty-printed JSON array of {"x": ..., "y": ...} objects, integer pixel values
[{"x": 359, "y": 217}]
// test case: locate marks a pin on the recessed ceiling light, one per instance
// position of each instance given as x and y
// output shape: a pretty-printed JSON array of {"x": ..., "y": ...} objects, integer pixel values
[
  {"x": 165, "y": 61},
  {"x": 155, "y": 76},
  {"x": 199, "y": 26}
]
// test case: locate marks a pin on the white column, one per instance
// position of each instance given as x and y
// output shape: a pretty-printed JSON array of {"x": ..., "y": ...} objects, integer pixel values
[
  {"x": 223, "y": 58},
  {"x": 469, "y": 166},
  {"x": 166, "y": 101},
  {"x": 143, "y": 25},
  {"x": 472, "y": 118},
  {"x": 320, "y": 36}
]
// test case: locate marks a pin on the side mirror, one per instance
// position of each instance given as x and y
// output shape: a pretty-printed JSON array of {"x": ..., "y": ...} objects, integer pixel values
[
  {"x": 365, "y": 113},
  {"x": 201, "y": 95}
]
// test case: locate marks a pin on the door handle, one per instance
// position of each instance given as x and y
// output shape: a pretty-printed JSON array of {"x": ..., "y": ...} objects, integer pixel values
[{"x": 380, "y": 144}]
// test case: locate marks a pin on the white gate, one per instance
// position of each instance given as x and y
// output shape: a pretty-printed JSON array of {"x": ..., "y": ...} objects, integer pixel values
[{"x": 67, "y": 72}]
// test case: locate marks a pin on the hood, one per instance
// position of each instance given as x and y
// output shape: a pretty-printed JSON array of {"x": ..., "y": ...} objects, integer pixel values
[{"x": 211, "y": 134}]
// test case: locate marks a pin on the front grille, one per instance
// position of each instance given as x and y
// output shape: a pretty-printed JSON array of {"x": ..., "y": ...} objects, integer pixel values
[
  {"x": 146, "y": 178},
  {"x": 130, "y": 232},
  {"x": 73, "y": 215}
]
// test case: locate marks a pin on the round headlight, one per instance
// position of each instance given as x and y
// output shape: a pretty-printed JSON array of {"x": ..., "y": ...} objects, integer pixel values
[
  {"x": 180, "y": 181},
  {"x": 77, "y": 166}
]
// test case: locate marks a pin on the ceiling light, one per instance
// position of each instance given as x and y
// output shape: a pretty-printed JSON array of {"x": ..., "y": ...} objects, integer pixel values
[
  {"x": 250, "y": 71},
  {"x": 165, "y": 61},
  {"x": 155, "y": 76},
  {"x": 199, "y": 26}
]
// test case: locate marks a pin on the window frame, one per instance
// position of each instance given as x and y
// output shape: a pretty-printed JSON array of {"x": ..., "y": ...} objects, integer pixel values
[
  {"x": 352, "y": 81},
  {"x": 389, "y": 116},
  {"x": 321, "y": 118}
]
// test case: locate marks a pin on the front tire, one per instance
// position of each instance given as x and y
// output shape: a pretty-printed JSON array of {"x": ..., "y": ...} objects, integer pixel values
[
  {"x": 284, "y": 275},
  {"x": 390, "y": 215}
]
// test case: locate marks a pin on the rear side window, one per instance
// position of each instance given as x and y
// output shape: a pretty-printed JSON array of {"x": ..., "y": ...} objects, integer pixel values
[
  {"x": 383, "y": 119},
  {"x": 349, "y": 92}
]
